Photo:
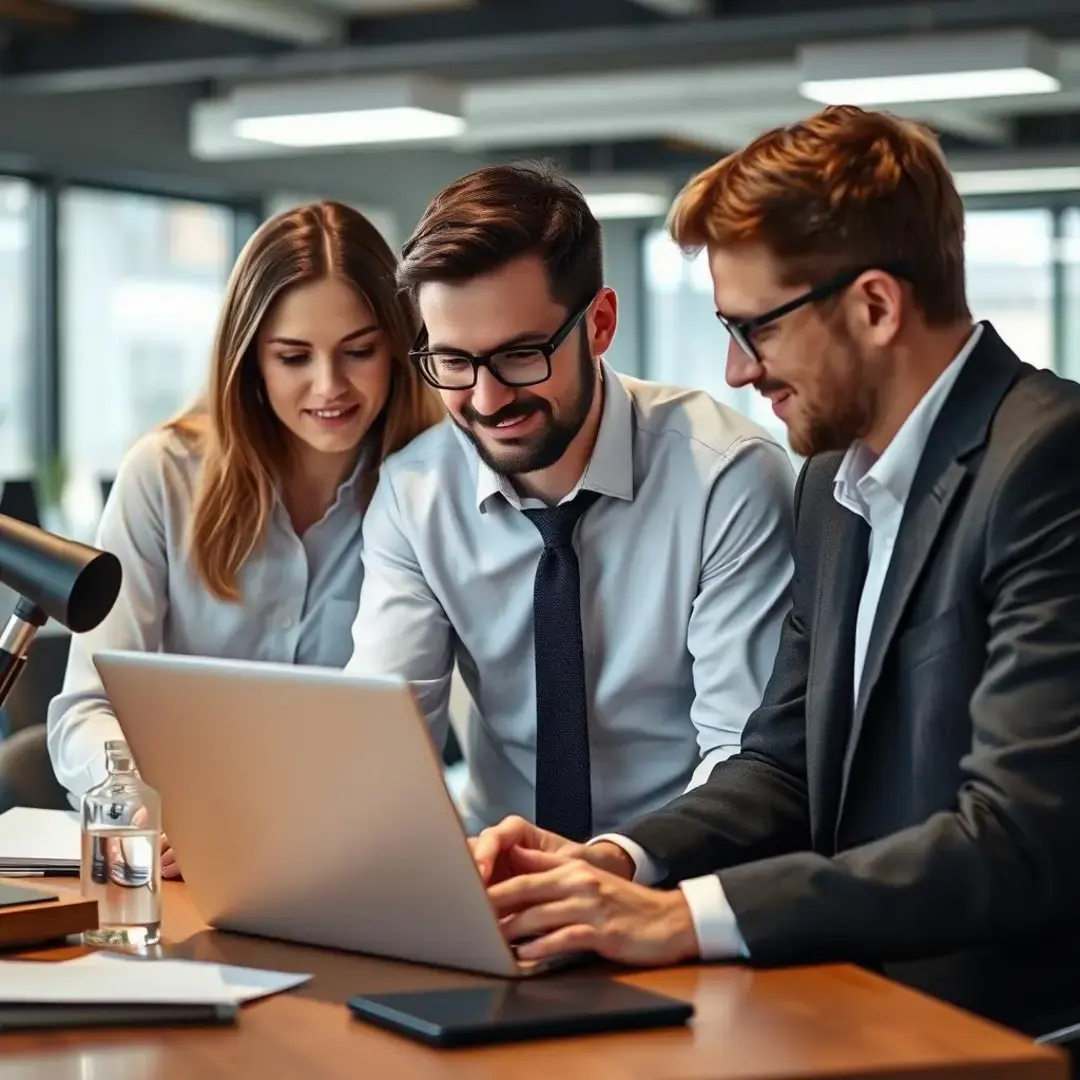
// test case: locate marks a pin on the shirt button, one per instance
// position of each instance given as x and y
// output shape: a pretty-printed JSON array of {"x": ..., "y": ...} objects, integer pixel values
[{"x": 287, "y": 624}]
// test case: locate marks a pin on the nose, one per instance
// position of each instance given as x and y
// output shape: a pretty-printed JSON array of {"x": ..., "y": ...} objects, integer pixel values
[
  {"x": 328, "y": 379},
  {"x": 742, "y": 368},
  {"x": 489, "y": 395}
]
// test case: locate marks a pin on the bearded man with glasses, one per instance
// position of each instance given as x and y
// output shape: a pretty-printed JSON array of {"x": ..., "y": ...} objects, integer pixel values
[{"x": 606, "y": 561}]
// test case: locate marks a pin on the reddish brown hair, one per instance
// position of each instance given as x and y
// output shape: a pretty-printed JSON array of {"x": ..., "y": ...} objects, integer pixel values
[{"x": 841, "y": 190}]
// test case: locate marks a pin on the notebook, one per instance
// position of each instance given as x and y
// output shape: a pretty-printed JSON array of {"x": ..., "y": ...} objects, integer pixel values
[{"x": 39, "y": 841}]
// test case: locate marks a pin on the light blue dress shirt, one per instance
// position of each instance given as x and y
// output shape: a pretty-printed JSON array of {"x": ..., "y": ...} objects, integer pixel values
[
  {"x": 685, "y": 573},
  {"x": 299, "y": 595},
  {"x": 876, "y": 488}
]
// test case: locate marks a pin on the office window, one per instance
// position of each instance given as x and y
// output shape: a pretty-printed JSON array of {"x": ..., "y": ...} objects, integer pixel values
[
  {"x": 18, "y": 408},
  {"x": 1069, "y": 250},
  {"x": 684, "y": 343},
  {"x": 1010, "y": 278},
  {"x": 141, "y": 284}
]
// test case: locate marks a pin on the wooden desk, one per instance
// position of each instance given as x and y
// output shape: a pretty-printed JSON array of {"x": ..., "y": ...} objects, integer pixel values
[{"x": 834, "y": 1021}]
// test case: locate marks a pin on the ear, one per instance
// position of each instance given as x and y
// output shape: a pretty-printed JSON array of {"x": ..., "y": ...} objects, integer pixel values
[
  {"x": 878, "y": 307},
  {"x": 601, "y": 321}
]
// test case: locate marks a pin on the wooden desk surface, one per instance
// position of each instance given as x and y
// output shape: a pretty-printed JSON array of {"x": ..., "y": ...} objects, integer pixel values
[{"x": 833, "y": 1021}]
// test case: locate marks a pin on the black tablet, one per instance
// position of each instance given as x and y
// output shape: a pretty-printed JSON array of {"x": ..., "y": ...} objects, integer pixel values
[{"x": 529, "y": 1009}]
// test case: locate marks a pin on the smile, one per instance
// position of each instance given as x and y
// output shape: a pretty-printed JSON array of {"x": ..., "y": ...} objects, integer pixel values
[{"x": 342, "y": 412}]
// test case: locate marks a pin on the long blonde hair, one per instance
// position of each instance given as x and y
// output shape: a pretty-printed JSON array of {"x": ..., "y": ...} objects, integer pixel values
[{"x": 243, "y": 444}]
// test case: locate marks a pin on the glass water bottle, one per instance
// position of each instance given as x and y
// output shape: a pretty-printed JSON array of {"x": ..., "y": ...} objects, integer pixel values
[{"x": 121, "y": 854}]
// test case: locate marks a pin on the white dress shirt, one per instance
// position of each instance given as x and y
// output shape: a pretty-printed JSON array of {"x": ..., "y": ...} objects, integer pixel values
[
  {"x": 876, "y": 488},
  {"x": 685, "y": 574},
  {"x": 299, "y": 595}
]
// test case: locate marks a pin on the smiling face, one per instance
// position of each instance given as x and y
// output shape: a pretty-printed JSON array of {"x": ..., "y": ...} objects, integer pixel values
[
  {"x": 517, "y": 430},
  {"x": 821, "y": 383},
  {"x": 325, "y": 365}
]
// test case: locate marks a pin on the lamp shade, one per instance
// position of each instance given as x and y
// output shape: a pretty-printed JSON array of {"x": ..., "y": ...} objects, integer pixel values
[{"x": 72, "y": 583}]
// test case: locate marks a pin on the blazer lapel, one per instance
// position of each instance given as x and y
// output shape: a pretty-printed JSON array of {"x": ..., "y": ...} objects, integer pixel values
[
  {"x": 959, "y": 431},
  {"x": 831, "y": 687}
]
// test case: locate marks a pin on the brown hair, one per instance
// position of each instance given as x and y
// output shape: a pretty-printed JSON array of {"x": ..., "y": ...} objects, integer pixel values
[
  {"x": 500, "y": 213},
  {"x": 243, "y": 443},
  {"x": 841, "y": 190}
]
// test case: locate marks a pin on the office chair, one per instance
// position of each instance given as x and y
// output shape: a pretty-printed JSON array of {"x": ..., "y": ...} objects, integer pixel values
[{"x": 26, "y": 773}]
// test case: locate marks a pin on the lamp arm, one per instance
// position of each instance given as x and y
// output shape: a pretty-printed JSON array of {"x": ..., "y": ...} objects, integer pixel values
[{"x": 15, "y": 639}]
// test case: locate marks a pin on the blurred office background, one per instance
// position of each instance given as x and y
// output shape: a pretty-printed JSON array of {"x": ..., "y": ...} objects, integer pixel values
[{"x": 141, "y": 141}]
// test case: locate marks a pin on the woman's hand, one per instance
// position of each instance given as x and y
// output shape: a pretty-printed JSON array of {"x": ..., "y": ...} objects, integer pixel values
[{"x": 170, "y": 867}]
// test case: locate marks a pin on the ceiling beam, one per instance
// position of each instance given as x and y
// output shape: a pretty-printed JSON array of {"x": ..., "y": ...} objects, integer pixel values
[
  {"x": 675, "y": 41},
  {"x": 978, "y": 127},
  {"x": 285, "y": 20},
  {"x": 682, "y": 9},
  {"x": 365, "y": 8}
]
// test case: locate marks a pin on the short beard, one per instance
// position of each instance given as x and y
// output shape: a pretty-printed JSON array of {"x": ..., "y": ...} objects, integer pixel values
[
  {"x": 840, "y": 411},
  {"x": 547, "y": 447}
]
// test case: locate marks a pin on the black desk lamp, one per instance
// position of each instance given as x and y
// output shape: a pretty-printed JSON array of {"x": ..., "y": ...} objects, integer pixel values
[{"x": 55, "y": 578}]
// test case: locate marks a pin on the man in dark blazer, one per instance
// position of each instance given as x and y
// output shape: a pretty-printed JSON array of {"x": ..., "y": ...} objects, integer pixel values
[{"x": 908, "y": 794}]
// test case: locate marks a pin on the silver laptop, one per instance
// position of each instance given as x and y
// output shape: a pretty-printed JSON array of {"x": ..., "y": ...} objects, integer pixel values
[{"x": 308, "y": 805}]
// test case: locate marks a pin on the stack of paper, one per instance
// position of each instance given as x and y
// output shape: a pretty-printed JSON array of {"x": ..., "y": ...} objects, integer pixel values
[
  {"x": 39, "y": 995},
  {"x": 106, "y": 988},
  {"x": 39, "y": 841},
  {"x": 245, "y": 984}
]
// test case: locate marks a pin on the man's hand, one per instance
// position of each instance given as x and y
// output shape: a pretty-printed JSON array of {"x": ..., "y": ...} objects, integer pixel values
[
  {"x": 569, "y": 906},
  {"x": 496, "y": 850},
  {"x": 501, "y": 851}
]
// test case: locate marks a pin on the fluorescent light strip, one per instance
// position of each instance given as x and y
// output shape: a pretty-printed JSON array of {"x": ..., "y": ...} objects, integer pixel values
[
  {"x": 938, "y": 86},
  {"x": 1017, "y": 181},
  {"x": 626, "y": 204},
  {"x": 350, "y": 127}
]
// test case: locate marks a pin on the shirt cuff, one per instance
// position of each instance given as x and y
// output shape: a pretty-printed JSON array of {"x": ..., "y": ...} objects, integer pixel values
[
  {"x": 647, "y": 870},
  {"x": 714, "y": 920}
]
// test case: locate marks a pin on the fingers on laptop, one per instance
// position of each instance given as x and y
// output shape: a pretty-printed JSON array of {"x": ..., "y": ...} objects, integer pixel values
[
  {"x": 491, "y": 848},
  {"x": 575, "y": 907}
]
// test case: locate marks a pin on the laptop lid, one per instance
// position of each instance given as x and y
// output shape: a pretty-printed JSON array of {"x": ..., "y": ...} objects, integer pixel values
[{"x": 307, "y": 804}]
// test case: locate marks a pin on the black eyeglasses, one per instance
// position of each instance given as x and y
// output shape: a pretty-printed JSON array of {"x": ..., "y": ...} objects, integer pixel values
[
  {"x": 742, "y": 330},
  {"x": 515, "y": 365}
]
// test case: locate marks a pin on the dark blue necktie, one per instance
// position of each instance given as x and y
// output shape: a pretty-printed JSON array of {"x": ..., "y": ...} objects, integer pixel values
[{"x": 563, "y": 795}]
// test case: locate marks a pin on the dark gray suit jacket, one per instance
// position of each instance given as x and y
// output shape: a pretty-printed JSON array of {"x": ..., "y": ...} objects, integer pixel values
[{"x": 933, "y": 831}]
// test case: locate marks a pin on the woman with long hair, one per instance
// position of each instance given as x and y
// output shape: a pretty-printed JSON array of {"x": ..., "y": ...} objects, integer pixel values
[{"x": 238, "y": 523}]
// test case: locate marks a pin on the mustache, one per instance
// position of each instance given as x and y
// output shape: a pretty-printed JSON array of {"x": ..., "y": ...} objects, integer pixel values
[{"x": 515, "y": 410}]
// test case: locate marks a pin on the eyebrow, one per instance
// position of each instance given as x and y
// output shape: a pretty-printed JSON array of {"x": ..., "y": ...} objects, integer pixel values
[{"x": 362, "y": 332}]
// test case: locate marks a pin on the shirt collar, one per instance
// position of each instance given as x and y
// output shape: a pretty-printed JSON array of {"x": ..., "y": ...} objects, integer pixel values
[
  {"x": 610, "y": 470},
  {"x": 894, "y": 469}
]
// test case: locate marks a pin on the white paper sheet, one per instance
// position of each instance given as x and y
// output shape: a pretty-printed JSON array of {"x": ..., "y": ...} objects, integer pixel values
[
  {"x": 45, "y": 839},
  {"x": 245, "y": 984},
  {"x": 39, "y": 983}
]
